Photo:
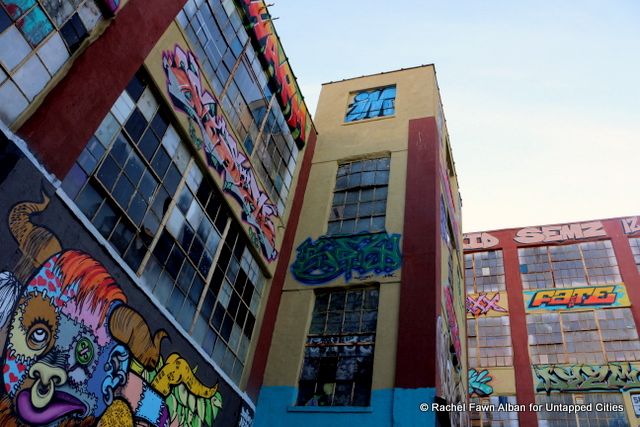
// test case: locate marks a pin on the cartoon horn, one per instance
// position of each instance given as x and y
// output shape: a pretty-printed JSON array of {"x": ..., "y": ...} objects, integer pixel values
[
  {"x": 36, "y": 243},
  {"x": 128, "y": 327}
]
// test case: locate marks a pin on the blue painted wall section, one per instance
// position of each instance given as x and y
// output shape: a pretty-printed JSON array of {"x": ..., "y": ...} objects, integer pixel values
[
  {"x": 389, "y": 407},
  {"x": 329, "y": 257}
]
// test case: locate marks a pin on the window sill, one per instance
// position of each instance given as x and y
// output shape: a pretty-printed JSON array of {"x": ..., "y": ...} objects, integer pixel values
[{"x": 337, "y": 409}]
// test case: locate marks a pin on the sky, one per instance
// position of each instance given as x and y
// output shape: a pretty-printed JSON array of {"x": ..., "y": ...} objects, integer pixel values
[{"x": 542, "y": 99}]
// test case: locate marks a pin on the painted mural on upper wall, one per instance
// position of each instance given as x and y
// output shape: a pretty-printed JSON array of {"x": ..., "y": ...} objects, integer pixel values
[
  {"x": 222, "y": 151},
  {"x": 363, "y": 254},
  {"x": 263, "y": 34},
  {"x": 75, "y": 353}
]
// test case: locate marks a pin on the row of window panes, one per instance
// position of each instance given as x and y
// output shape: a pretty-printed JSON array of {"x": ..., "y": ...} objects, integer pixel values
[
  {"x": 218, "y": 37},
  {"x": 361, "y": 207},
  {"x": 563, "y": 418},
  {"x": 581, "y": 264},
  {"x": 634, "y": 242},
  {"x": 484, "y": 272},
  {"x": 494, "y": 418},
  {"x": 125, "y": 182},
  {"x": 338, "y": 363},
  {"x": 36, "y": 40},
  {"x": 607, "y": 335},
  {"x": 489, "y": 342}
]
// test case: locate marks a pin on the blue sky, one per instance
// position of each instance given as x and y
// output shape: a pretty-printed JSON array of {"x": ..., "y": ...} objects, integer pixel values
[{"x": 542, "y": 98}]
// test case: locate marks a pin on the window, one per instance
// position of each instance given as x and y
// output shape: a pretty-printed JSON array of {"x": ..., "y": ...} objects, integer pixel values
[
  {"x": 566, "y": 266},
  {"x": 360, "y": 197},
  {"x": 484, "y": 272},
  {"x": 489, "y": 341},
  {"x": 129, "y": 172},
  {"x": 372, "y": 103},
  {"x": 582, "y": 419},
  {"x": 136, "y": 174},
  {"x": 494, "y": 418},
  {"x": 338, "y": 360},
  {"x": 635, "y": 249},
  {"x": 36, "y": 39},
  {"x": 576, "y": 337}
]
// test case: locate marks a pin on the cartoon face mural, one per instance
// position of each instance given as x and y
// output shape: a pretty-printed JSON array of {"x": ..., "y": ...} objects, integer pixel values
[
  {"x": 221, "y": 150},
  {"x": 76, "y": 354}
]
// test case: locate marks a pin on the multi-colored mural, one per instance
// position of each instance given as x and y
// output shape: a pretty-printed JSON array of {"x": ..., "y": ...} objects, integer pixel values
[
  {"x": 479, "y": 241},
  {"x": 576, "y": 298},
  {"x": 560, "y": 233},
  {"x": 631, "y": 225},
  {"x": 479, "y": 383},
  {"x": 613, "y": 376},
  {"x": 75, "y": 353},
  {"x": 222, "y": 152},
  {"x": 483, "y": 304},
  {"x": 263, "y": 34},
  {"x": 452, "y": 322},
  {"x": 330, "y": 257}
]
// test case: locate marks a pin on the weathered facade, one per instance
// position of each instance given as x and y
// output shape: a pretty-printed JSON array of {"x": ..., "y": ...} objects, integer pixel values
[
  {"x": 552, "y": 315},
  {"x": 370, "y": 323},
  {"x": 147, "y": 186}
]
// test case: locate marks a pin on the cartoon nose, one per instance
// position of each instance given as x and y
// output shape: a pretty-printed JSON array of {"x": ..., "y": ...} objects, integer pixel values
[{"x": 47, "y": 378}]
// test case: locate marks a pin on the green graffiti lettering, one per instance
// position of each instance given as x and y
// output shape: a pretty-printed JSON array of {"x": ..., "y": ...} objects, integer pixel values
[
  {"x": 613, "y": 376},
  {"x": 329, "y": 257}
]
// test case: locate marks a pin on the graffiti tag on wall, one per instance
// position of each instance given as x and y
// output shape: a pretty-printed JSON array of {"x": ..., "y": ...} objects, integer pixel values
[
  {"x": 631, "y": 225},
  {"x": 483, "y": 304},
  {"x": 75, "y": 353},
  {"x": 560, "y": 233},
  {"x": 479, "y": 241},
  {"x": 368, "y": 104},
  {"x": 586, "y": 297},
  {"x": 221, "y": 150},
  {"x": 329, "y": 257},
  {"x": 479, "y": 383},
  {"x": 613, "y": 376},
  {"x": 272, "y": 55},
  {"x": 452, "y": 322}
]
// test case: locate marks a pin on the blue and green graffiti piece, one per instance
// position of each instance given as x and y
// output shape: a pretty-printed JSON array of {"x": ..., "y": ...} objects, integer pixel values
[
  {"x": 478, "y": 383},
  {"x": 329, "y": 257}
]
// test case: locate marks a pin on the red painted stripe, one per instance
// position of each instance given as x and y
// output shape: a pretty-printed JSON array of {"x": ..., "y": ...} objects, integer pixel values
[
  {"x": 626, "y": 264},
  {"x": 519, "y": 335},
  {"x": 273, "y": 303},
  {"x": 420, "y": 288},
  {"x": 59, "y": 130}
]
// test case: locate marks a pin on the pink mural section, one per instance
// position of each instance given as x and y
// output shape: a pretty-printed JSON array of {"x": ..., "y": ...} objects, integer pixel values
[
  {"x": 208, "y": 129},
  {"x": 479, "y": 241}
]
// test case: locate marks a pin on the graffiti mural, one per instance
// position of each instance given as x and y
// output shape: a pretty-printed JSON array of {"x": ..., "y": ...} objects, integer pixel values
[
  {"x": 75, "y": 353},
  {"x": 452, "y": 322},
  {"x": 112, "y": 5},
  {"x": 478, "y": 383},
  {"x": 330, "y": 257},
  {"x": 368, "y": 104},
  {"x": 221, "y": 150},
  {"x": 483, "y": 304},
  {"x": 263, "y": 35},
  {"x": 479, "y": 241},
  {"x": 613, "y": 376},
  {"x": 568, "y": 298},
  {"x": 560, "y": 233},
  {"x": 631, "y": 225}
]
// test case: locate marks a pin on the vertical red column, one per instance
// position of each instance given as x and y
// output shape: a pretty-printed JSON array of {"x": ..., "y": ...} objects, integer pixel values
[
  {"x": 626, "y": 264},
  {"x": 59, "y": 130},
  {"x": 420, "y": 289},
  {"x": 519, "y": 336}
]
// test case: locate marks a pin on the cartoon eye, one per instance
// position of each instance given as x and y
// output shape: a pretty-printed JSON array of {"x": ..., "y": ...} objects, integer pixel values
[
  {"x": 84, "y": 351},
  {"x": 38, "y": 336}
]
